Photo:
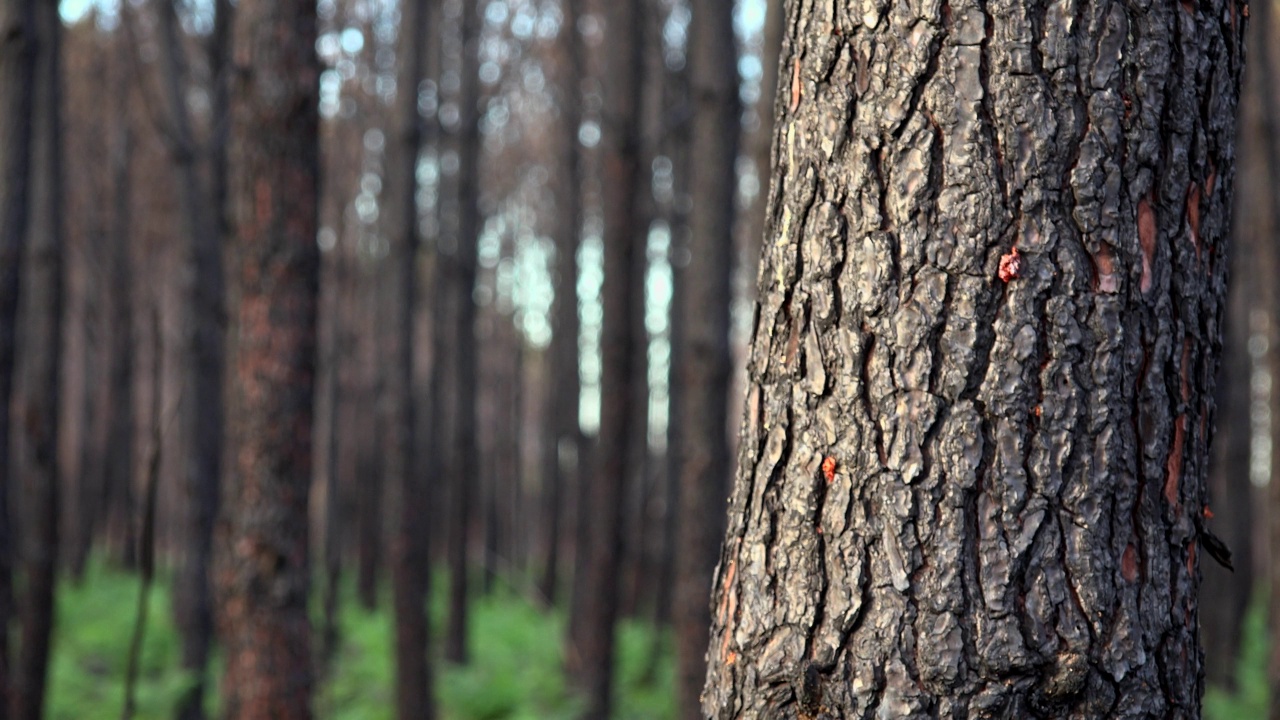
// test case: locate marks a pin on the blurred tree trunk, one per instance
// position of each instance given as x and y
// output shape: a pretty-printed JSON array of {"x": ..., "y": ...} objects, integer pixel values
[
  {"x": 261, "y": 567},
  {"x": 409, "y": 546},
  {"x": 370, "y": 456},
  {"x": 705, "y": 369},
  {"x": 37, "y": 402},
  {"x": 17, "y": 68},
  {"x": 562, "y": 441},
  {"x": 591, "y": 650},
  {"x": 465, "y": 476},
  {"x": 202, "y": 213},
  {"x": 759, "y": 142},
  {"x": 1225, "y": 596},
  {"x": 116, "y": 491},
  {"x": 972, "y": 481}
]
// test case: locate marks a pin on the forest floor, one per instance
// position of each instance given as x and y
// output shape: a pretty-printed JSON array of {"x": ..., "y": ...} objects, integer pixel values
[{"x": 515, "y": 673}]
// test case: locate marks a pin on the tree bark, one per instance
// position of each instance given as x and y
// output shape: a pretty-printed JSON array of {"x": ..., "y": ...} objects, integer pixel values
[
  {"x": 409, "y": 548},
  {"x": 594, "y": 644},
  {"x": 705, "y": 367},
  {"x": 562, "y": 444},
  {"x": 202, "y": 417},
  {"x": 261, "y": 567},
  {"x": 465, "y": 475},
  {"x": 17, "y": 63},
  {"x": 38, "y": 403},
  {"x": 971, "y": 480}
]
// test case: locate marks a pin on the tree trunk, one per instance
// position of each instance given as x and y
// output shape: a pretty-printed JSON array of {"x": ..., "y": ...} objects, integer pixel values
[
  {"x": 17, "y": 63},
  {"x": 594, "y": 644},
  {"x": 973, "y": 458},
  {"x": 410, "y": 562},
  {"x": 465, "y": 475},
  {"x": 705, "y": 369},
  {"x": 261, "y": 568},
  {"x": 562, "y": 444},
  {"x": 38, "y": 404},
  {"x": 206, "y": 320}
]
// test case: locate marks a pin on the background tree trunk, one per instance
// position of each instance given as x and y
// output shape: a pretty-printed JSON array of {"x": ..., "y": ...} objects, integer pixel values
[
  {"x": 38, "y": 403},
  {"x": 594, "y": 645},
  {"x": 465, "y": 476},
  {"x": 262, "y": 569},
  {"x": 410, "y": 559},
  {"x": 967, "y": 489},
  {"x": 705, "y": 369},
  {"x": 17, "y": 63}
]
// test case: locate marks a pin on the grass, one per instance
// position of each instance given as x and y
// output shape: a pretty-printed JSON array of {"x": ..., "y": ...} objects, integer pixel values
[{"x": 515, "y": 672}]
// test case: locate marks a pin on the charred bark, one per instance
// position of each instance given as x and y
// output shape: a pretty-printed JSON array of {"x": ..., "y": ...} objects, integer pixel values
[
  {"x": 972, "y": 471},
  {"x": 261, "y": 566}
]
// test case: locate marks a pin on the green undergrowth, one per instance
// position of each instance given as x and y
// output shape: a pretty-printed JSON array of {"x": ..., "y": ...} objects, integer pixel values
[
  {"x": 1250, "y": 699},
  {"x": 515, "y": 669}
]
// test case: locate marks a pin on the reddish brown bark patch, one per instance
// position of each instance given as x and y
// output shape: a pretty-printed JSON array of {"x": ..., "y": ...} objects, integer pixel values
[
  {"x": 1193, "y": 216},
  {"x": 1129, "y": 563},
  {"x": 1174, "y": 466},
  {"x": 1147, "y": 238}
]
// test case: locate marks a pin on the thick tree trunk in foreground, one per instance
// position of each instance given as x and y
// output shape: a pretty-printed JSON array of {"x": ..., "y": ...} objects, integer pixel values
[
  {"x": 37, "y": 403},
  {"x": 261, "y": 567},
  {"x": 410, "y": 561},
  {"x": 591, "y": 648},
  {"x": 971, "y": 481},
  {"x": 17, "y": 53},
  {"x": 705, "y": 365}
]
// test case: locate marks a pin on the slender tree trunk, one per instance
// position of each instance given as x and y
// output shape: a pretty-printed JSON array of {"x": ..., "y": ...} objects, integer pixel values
[
  {"x": 206, "y": 320},
  {"x": 973, "y": 460},
  {"x": 410, "y": 560},
  {"x": 17, "y": 63},
  {"x": 563, "y": 440},
  {"x": 38, "y": 404},
  {"x": 261, "y": 567},
  {"x": 598, "y": 607},
  {"x": 759, "y": 142},
  {"x": 465, "y": 474},
  {"x": 116, "y": 490},
  {"x": 705, "y": 369}
]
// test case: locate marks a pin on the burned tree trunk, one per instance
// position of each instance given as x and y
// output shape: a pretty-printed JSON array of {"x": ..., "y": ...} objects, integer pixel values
[
  {"x": 261, "y": 567},
  {"x": 972, "y": 471}
]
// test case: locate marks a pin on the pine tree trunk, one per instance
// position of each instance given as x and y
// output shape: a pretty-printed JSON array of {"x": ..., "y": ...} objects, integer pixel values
[
  {"x": 409, "y": 549},
  {"x": 17, "y": 63},
  {"x": 592, "y": 646},
  {"x": 971, "y": 480},
  {"x": 38, "y": 404},
  {"x": 705, "y": 368},
  {"x": 261, "y": 567}
]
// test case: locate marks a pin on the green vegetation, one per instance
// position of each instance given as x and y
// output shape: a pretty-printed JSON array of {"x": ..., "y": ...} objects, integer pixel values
[
  {"x": 515, "y": 674},
  {"x": 1251, "y": 697}
]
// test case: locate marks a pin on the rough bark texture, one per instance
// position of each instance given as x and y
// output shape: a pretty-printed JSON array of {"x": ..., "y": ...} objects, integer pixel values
[
  {"x": 465, "y": 477},
  {"x": 410, "y": 561},
  {"x": 17, "y": 49},
  {"x": 593, "y": 644},
  {"x": 961, "y": 494},
  {"x": 261, "y": 569},
  {"x": 705, "y": 366},
  {"x": 200, "y": 201}
]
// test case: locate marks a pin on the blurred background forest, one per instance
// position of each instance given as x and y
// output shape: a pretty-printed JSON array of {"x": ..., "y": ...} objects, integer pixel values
[{"x": 471, "y": 156}]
